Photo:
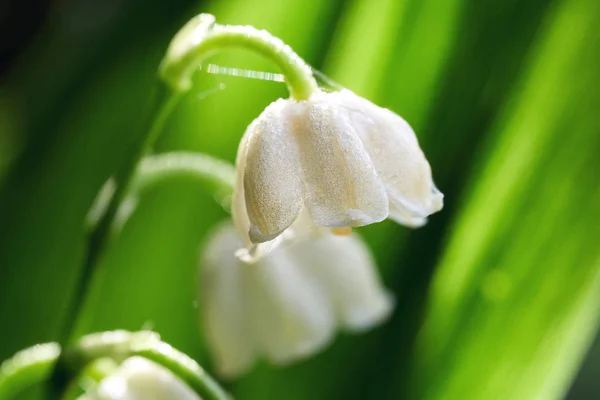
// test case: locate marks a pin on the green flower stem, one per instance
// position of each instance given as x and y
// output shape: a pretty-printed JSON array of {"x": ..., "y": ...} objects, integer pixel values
[
  {"x": 156, "y": 169},
  {"x": 212, "y": 39},
  {"x": 163, "y": 103},
  {"x": 94, "y": 357},
  {"x": 185, "y": 369},
  {"x": 26, "y": 368},
  {"x": 90, "y": 377}
]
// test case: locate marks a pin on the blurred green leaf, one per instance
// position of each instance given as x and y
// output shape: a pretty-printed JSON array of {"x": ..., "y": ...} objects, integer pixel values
[
  {"x": 361, "y": 47},
  {"x": 515, "y": 301},
  {"x": 49, "y": 191}
]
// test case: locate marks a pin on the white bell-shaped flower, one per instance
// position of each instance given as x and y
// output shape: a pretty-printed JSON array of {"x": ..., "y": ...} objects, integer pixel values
[
  {"x": 345, "y": 160},
  {"x": 287, "y": 305},
  {"x": 140, "y": 379}
]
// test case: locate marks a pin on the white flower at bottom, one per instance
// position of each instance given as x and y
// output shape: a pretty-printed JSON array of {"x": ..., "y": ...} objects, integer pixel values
[
  {"x": 287, "y": 305},
  {"x": 140, "y": 379}
]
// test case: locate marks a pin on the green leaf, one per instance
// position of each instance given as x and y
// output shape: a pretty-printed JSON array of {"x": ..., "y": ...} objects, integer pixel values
[{"x": 515, "y": 301}]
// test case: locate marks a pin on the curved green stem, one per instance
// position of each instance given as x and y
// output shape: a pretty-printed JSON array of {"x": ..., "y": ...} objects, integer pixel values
[
  {"x": 156, "y": 169},
  {"x": 93, "y": 374},
  {"x": 151, "y": 171},
  {"x": 120, "y": 345},
  {"x": 185, "y": 369},
  {"x": 90, "y": 377},
  {"x": 36, "y": 364},
  {"x": 159, "y": 168},
  {"x": 201, "y": 38},
  {"x": 26, "y": 368},
  {"x": 163, "y": 102}
]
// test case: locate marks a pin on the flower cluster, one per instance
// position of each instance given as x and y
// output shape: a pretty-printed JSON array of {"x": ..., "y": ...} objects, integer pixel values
[
  {"x": 288, "y": 272},
  {"x": 307, "y": 172},
  {"x": 337, "y": 157}
]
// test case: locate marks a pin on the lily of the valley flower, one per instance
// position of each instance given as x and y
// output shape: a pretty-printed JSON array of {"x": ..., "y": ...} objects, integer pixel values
[
  {"x": 287, "y": 305},
  {"x": 140, "y": 379},
  {"x": 343, "y": 159}
]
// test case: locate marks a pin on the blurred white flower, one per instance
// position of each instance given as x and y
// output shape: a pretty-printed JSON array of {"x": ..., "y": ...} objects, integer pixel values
[
  {"x": 287, "y": 305},
  {"x": 345, "y": 160},
  {"x": 140, "y": 379}
]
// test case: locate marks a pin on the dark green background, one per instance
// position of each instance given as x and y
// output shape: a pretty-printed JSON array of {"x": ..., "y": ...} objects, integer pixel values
[{"x": 503, "y": 96}]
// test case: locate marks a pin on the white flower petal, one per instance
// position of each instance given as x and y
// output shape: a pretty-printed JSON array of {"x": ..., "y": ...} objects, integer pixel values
[
  {"x": 303, "y": 228},
  {"x": 291, "y": 317},
  {"x": 249, "y": 252},
  {"x": 396, "y": 155},
  {"x": 272, "y": 181},
  {"x": 403, "y": 217},
  {"x": 341, "y": 184},
  {"x": 238, "y": 200},
  {"x": 345, "y": 270},
  {"x": 141, "y": 379},
  {"x": 224, "y": 303},
  {"x": 147, "y": 380},
  {"x": 269, "y": 308}
]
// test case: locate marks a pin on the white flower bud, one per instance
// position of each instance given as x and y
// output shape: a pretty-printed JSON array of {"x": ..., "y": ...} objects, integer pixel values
[
  {"x": 345, "y": 160},
  {"x": 140, "y": 379},
  {"x": 287, "y": 305}
]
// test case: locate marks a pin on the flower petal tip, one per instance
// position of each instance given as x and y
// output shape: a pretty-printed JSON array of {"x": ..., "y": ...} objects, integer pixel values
[
  {"x": 437, "y": 200},
  {"x": 257, "y": 236},
  {"x": 360, "y": 218},
  {"x": 365, "y": 319},
  {"x": 302, "y": 350},
  {"x": 246, "y": 255},
  {"x": 255, "y": 252}
]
